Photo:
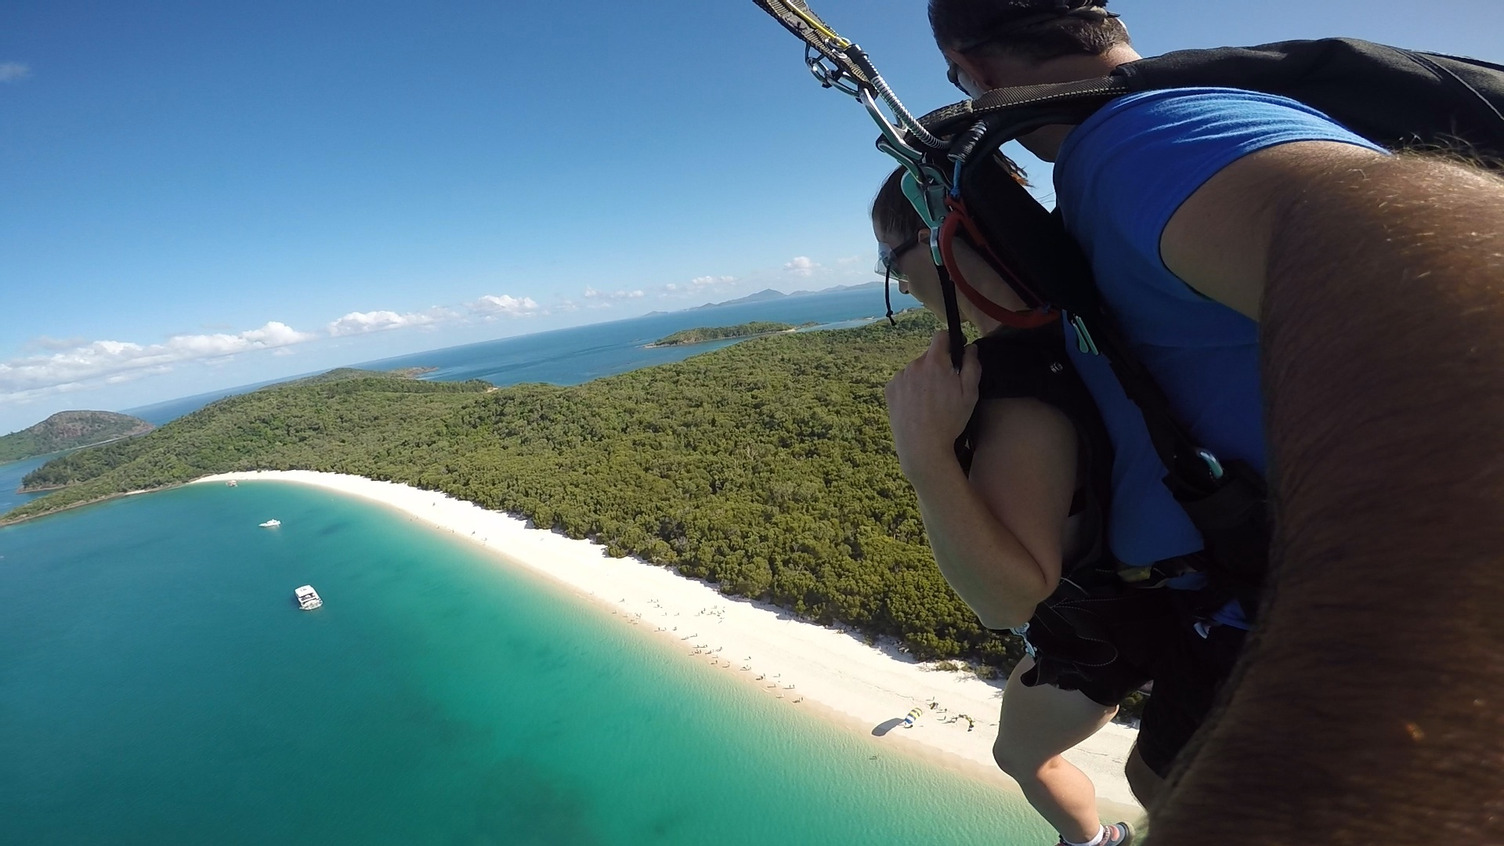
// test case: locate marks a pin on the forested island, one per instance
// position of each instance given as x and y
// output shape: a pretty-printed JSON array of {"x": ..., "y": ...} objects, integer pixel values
[
  {"x": 69, "y": 430},
  {"x": 766, "y": 467},
  {"x": 706, "y": 334}
]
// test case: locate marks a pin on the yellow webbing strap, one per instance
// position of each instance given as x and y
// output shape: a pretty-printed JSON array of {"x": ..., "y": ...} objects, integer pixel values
[{"x": 796, "y": 17}]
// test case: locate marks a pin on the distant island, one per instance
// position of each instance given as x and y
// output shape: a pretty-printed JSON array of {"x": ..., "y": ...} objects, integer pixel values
[
  {"x": 339, "y": 374},
  {"x": 761, "y": 296},
  {"x": 705, "y": 334},
  {"x": 772, "y": 294},
  {"x": 70, "y": 430}
]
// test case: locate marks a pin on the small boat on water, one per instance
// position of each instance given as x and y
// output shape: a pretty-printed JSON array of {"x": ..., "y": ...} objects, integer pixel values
[
  {"x": 308, "y": 598},
  {"x": 271, "y": 524}
]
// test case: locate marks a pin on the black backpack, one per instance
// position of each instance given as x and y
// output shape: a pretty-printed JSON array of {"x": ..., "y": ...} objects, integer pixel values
[{"x": 1400, "y": 99}]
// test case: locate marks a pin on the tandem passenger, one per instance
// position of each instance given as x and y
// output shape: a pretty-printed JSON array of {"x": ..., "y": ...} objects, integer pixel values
[
  {"x": 1014, "y": 474},
  {"x": 1348, "y": 304}
]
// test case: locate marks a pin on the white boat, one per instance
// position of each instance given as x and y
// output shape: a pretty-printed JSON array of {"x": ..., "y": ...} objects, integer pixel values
[
  {"x": 271, "y": 524},
  {"x": 308, "y": 598}
]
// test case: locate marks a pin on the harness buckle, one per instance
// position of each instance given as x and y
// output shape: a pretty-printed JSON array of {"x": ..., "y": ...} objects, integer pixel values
[
  {"x": 1084, "y": 340},
  {"x": 1212, "y": 464}
]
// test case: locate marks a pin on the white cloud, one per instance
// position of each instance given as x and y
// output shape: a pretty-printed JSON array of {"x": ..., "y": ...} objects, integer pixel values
[
  {"x": 801, "y": 266},
  {"x": 602, "y": 299},
  {"x": 43, "y": 342},
  {"x": 13, "y": 71},
  {"x": 360, "y": 322},
  {"x": 849, "y": 260},
  {"x": 696, "y": 287},
  {"x": 87, "y": 365},
  {"x": 505, "y": 305}
]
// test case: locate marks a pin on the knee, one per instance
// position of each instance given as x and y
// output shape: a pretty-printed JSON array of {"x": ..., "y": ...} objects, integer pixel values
[{"x": 1018, "y": 763}]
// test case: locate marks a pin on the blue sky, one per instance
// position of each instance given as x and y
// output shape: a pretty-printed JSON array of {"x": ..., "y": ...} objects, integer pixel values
[{"x": 200, "y": 195}]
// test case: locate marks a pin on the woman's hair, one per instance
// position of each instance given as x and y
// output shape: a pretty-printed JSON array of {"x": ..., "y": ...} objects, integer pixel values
[{"x": 892, "y": 213}]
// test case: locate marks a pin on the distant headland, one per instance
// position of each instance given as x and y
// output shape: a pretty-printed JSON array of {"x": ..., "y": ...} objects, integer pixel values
[
  {"x": 706, "y": 334},
  {"x": 70, "y": 430}
]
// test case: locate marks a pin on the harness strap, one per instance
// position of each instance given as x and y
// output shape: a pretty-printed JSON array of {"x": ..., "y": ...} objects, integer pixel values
[{"x": 958, "y": 218}]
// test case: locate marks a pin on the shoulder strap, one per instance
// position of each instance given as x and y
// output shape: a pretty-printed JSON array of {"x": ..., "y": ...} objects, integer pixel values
[
  {"x": 1395, "y": 97},
  {"x": 1392, "y": 96}
]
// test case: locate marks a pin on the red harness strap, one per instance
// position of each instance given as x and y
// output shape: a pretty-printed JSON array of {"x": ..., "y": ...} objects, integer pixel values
[{"x": 958, "y": 218}]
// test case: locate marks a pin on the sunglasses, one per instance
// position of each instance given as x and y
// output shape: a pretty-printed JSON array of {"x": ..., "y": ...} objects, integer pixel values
[
  {"x": 887, "y": 260},
  {"x": 963, "y": 82}
]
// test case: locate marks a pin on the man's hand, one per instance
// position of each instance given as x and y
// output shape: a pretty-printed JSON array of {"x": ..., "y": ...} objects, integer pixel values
[{"x": 929, "y": 404}]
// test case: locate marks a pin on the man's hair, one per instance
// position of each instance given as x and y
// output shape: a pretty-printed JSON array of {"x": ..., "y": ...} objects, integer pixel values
[
  {"x": 1034, "y": 30},
  {"x": 892, "y": 212}
]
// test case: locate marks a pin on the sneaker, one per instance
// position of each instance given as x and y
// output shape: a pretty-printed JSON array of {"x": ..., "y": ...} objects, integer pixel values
[{"x": 1114, "y": 834}]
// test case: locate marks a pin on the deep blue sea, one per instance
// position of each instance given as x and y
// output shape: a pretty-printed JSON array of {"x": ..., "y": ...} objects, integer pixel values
[{"x": 158, "y": 686}]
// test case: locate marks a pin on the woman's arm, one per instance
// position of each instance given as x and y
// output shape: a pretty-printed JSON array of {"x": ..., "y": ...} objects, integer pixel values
[{"x": 996, "y": 536}]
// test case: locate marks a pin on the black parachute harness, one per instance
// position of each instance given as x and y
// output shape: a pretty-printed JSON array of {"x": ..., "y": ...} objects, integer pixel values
[
  {"x": 932, "y": 163},
  {"x": 952, "y": 154},
  {"x": 1397, "y": 98}
]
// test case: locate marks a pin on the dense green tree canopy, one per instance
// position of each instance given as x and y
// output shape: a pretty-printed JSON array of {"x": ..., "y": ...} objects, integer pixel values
[{"x": 766, "y": 467}]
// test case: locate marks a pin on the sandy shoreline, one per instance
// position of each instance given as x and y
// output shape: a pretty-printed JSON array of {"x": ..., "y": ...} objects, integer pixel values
[{"x": 808, "y": 666}]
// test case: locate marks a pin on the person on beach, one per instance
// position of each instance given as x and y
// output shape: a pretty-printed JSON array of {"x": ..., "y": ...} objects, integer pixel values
[
  {"x": 1027, "y": 499},
  {"x": 1278, "y": 274}
]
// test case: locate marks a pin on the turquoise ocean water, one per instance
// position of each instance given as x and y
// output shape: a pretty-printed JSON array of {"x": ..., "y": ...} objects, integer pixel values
[{"x": 157, "y": 684}]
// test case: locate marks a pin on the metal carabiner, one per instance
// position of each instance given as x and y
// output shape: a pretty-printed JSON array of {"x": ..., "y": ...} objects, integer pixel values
[
  {"x": 901, "y": 148},
  {"x": 829, "y": 76},
  {"x": 1212, "y": 464}
]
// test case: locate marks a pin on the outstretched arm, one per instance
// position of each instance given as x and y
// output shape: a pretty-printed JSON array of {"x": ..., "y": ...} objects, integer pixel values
[
  {"x": 997, "y": 535},
  {"x": 1369, "y": 709}
]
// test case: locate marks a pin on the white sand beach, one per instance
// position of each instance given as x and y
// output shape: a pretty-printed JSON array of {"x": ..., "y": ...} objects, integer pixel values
[{"x": 805, "y": 665}]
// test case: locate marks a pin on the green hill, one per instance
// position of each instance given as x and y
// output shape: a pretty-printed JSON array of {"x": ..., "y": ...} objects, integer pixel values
[
  {"x": 68, "y": 430},
  {"x": 706, "y": 334},
  {"x": 766, "y": 467}
]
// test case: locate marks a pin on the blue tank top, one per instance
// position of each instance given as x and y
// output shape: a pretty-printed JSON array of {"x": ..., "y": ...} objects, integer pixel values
[{"x": 1119, "y": 178}]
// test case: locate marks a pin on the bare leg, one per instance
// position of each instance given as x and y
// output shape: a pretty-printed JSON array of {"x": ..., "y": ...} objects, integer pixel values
[{"x": 1037, "y": 724}]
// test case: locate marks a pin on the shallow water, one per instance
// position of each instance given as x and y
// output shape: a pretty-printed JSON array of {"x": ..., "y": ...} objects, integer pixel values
[{"x": 158, "y": 685}]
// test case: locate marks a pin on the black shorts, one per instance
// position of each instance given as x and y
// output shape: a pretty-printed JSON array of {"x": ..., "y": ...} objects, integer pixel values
[
  {"x": 1188, "y": 675},
  {"x": 1102, "y": 645},
  {"x": 1152, "y": 637}
]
